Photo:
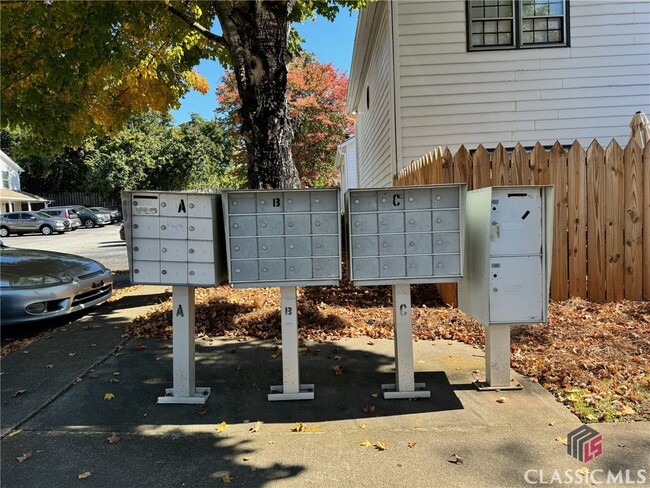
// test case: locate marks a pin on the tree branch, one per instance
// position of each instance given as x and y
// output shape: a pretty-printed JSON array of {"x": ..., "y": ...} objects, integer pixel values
[{"x": 196, "y": 26}]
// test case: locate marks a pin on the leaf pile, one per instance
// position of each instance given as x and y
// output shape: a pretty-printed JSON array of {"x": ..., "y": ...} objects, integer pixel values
[{"x": 595, "y": 358}]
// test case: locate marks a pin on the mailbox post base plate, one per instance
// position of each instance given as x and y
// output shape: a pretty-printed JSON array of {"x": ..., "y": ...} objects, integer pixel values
[
  {"x": 277, "y": 393},
  {"x": 390, "y": 393},
  {"x": 200, "y": 397},
  {"x": 484, "y": 386}
]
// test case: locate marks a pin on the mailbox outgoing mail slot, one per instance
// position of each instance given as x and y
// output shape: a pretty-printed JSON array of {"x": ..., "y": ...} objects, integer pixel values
[
  {"x": 392, "y": 232},
  {"x": 283, "y": 237},
  {"x": 508, "y": 255},
  {"x": 171, "y": 230}
]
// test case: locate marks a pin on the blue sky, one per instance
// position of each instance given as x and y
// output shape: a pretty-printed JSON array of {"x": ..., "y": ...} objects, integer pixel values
[{"x": 330, "y": 41}]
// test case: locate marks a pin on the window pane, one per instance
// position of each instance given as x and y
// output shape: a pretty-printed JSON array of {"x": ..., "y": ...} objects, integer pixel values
[
  {"x": 554, "y": 36},
  {"x": 491, "y": 12},
  {"x": 540, "y": 24},
  {"x": 505, "y": 11},
  {"x": 477, "y": 40},
  {"x": 505, "y": 26},
  {"x": 553, "y": 24},
  {"x": 505, "y": 39},
  {"x": 477, "y": 12},
  {"x": 528, "y": 10},
  {"x": 477, "y": 27},
  {"x": 490, "y": 39},
  {"x": 527, "y": 25},
  {"x": 540, "y": 36},
  {"x": 527, "y": 37},
  {"x": 557, "y": 8},
  {"x": 490, "y": 26},
  {"x": 542, "y": 9}
]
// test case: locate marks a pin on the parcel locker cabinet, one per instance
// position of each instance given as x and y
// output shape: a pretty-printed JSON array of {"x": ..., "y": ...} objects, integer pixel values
[
  {"x": 282, "y": 237},
  {"x": 406, "y": 235},
  {"x": 174, "y": 238},
  {"x": 509, "y": 234}
]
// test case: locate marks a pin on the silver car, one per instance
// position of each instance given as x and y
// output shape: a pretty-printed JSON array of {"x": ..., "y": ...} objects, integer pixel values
[
  {"x": 38, "y": 285},
  {"x": 65, "y": 214},
  {"x": 26, "y": 222}
]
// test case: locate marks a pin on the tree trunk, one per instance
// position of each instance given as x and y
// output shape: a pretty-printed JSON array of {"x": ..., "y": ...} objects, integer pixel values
[{"x": 257, "y": 34}]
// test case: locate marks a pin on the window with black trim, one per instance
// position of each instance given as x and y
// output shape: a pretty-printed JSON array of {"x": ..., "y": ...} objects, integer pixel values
[{"x": 514, "y": 24}]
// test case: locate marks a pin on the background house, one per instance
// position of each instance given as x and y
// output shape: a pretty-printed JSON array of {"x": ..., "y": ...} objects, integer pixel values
[
  {"x": 11, "y": 197},
  {"x": 446, "y": 73},
  {"x": 346, "y": 163}
]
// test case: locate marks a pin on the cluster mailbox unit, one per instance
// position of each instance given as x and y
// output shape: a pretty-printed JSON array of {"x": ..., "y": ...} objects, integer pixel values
[
  {"x": 508, "y": 263},
  {"x": 400, "y": 236},
  {"x": 176, "y": 238},
  {"x": 284, "y": 238}
]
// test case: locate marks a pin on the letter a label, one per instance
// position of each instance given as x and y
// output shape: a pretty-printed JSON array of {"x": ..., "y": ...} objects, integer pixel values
[
  {"x": 179, "y": 311},
  {"x": 181, "y": 207}
]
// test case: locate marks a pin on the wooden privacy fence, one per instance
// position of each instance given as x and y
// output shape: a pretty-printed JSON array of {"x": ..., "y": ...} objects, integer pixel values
[
  {"x": 94, "y": 199},
  {"x": 602, "y": 207}
]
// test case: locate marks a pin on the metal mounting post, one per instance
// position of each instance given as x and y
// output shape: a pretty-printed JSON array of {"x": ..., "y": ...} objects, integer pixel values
[
  {"x": 405, "y": 385},
  {"x": 497, "y": 360},
  {"x": 184, "y": 390},
  {"x": 291, "y": 389}
]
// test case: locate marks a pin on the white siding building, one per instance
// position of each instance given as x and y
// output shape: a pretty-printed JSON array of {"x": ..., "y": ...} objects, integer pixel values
[
  {"x": 419, "y": 80},
  {"x": 11, "y": 198},
  {"x": 346, "y": 163}
]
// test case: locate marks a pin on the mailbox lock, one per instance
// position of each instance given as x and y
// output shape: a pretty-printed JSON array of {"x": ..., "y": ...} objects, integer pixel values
[
  {"x": 411, "y": 221},
  {"x": 264, "y": 248},
  {"x": 358, "y": 246},
  {"x": 358, "y": 268},
  {"x": 136, "y": 248},
  {"x": 290, "y": 224},
  {"x": 383, "y": 222},
  {"x": 289, "y": 201},
  {"x": 236, "y": 248},
  {"x": 163, "y": 271},
  {"x": 265, "y": 269},
  {"x": 357, "y": 223},
  {"x": 290, "y": 246},
  {"x": 317, "y": 224},
  {"x": 135, "y": 226},
  {"x": 163, "y": 204},
  {"x": 438, "y": 220},
  {"x": 317, "y": 200},
  {"x": 262, "y": 202},
  {"x": 386, "y": 266},
  {"x": 234, "y": 204},
  {"x": 318, "y": 246},
  {"x": 495, "y": 289},
  {"x": 383, "y": 200},
  {"x": 263, "y": 225},
  {"x": 412, "y": 244},
  {"x": 191, "y": 227},
  {"x": 191, "y": 273},
  {"x": 191, "y": 251},
  {"x": 235, "y": 226},
  {"x": 191, "y": 205},
  {"x": 164, "y": 249},
  {"x": 385, "y": 244},
  {"x": 163, "y": 227},
  {"x": 318, "y": 268},
  {"x": 439, "y": 243},
  {"x": 356, "y": 200},
  {"x": 410, "y": 199},
  {"x": 237, "y": 270},
  {"x": 438, "y": 197},
  {"x": 412, "y": 266},
  {"x": 291, "y": 268},
  {"x": 135, "y": 203}
]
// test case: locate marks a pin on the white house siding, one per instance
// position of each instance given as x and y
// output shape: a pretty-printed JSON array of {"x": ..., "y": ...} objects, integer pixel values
[
  {"x": 448, "y": 96},
  {"x": 9, "y": 166},
  {"x": 373, "y": 125}
]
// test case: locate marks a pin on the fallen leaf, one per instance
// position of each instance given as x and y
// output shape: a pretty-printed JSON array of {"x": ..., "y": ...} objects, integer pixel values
[
  {"x": 369, "y": 409},
  {"x": 380, "y": 446},
  {"x": 619, "y": 445},
  {"x": 338, "y": 370},
  {"x": 561, "y": 440},
  {"x": 94, "y": 375},
  {"x": 551, "y": 423},
  {"x": 221, "y": 427},
  {"x": 256, "y": 427},
  {"x": 72, "y": 354},
  {"x": 300, "y": 427},
  {"x": 583, "y": 471},
  {"x": 227, "y": 479},
  {"x": 84, "y": 475},
  {"x": 375, "y": 395},
  {"x": 77, "y": 380},
  {"x": 456, "y": 459},
  {"x": 114, "y": 380},
  {"x": 203, "y": 411},
  {"x": 501, "y": 400},
  {"x": 411, "y": 444},
  {"x": 19, "y": 392},
  {"x": 14, "y": 432},
  {"x": 363, "y": 426},
  {"x": 49, "y": 366},
  {"x": 139, "y": 347},
  {"x": 366, "y": 444},
  {"x": 627, "y": 410},
  {"x": 113, "y": 439},
  {"x": 109, "y": 396},
  {"x": 24, "y": 457}
]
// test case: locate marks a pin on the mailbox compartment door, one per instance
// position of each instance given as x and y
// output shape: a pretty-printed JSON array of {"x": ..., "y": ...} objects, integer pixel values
[
  {"x": 445, "y": 198},
  {"x": 244, "y": 271},
  {"x": 173, "y": 250},
  {"x": 272, "y": 269},
  {"x": 145, "y": 226},
  {"x": 418, "y": 198},
  {"x": 296, "y": 201},
  {"x": 324, "y": 201},
  {"x": 173, "y": 228},
  {"x": 147, "y": 204},
  {"x": 446, "y": 220},
  {"x": 418, "y": 243},
  {"x": 446, "y": 265},
  {"x": 390, "y": 222},
  {"x": 365, "y": 246},
  {"x": 418, "y": 221},
  {"x": 363, "y": 202},
  {"x": 200, "y": 229},
  {"x": 392, "y": 267},
  {"x": 296, "y": 224},
  {"x": 270, "y": 225},
  {"x": 516, "y": 226},
  {"x": 146, "y": 271},
  {"x": 391, "y": 244},
  {"x": 297, "y": 246},
  {"x": 325, "y": 267},
  {"x": 243, "y": 226},
  {"x": 516, "y": 290},
  {"x": 240, "y": 203},
  {"x": 298, "y": 269},
  {"x": 445, "y": 242},
  {"x": 325, "y": 245},
  {"x": 363, "y": 224},
  {"x": 270, "y": 202},
  {"x": 243, "y": 248},
  {"x": 199, "y": 274},
  {"x": 390, "y": 200},
  {"x": 200, "y": 251},
  {"x": 365, "y": 268},
  {"x": 146, "y": 250},
  {"x": 419, "y": 266},
  {"x": 324, "y": 223},
  {"x": 200, "y": 206},
  {"x": 174, "y": 273},
  {"x": 270, "y": 247}
]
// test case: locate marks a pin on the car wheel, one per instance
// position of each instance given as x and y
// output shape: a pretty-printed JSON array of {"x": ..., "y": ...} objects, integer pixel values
[
  {"x": 46, "y": 230},
  {"x": 89, "y": 224},
  {"x": 4, "y": 232}
]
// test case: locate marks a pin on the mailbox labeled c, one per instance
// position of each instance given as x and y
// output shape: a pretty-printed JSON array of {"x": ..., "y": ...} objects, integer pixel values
[{"x": 396, "y": 198}]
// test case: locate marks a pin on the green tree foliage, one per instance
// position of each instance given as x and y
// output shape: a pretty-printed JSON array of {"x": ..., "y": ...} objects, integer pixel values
[
  {"x": 149, "y": 152},
  {"x": 316, "y": 96},
  {"x": 73, "y": 69}
]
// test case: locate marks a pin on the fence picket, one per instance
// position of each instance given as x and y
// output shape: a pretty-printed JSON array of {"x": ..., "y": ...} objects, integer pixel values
[
  {"x": 596, "y": 222},
  {"x": 500, "y": 166},
  {"x": 577, "y": 220},
  {"x": 615, "y": 218},
  {"x": 633, "y": 228},
  {"x": 520, "y": 166},
  {"x": 481, "y": 168},
  {"x": 646, "y": 222},
  {"x": 557, "y": 163}
]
